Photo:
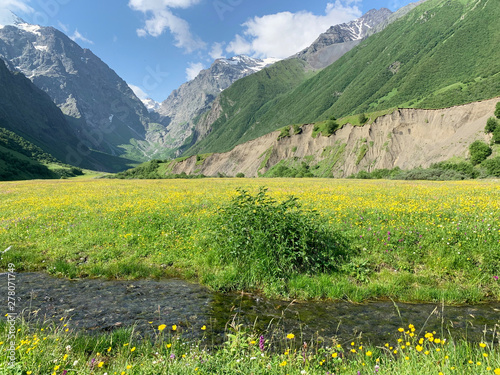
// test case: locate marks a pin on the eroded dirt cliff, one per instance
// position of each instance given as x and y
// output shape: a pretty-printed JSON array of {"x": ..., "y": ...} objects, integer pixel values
[{"x": 406, "y": 138}]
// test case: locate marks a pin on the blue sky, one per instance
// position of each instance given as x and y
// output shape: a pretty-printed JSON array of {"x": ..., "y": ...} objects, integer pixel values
[{"x": 156, "y": 45}]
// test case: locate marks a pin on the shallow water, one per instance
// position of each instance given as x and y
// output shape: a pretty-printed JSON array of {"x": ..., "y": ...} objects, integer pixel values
[{"x": 103, "y": 305}]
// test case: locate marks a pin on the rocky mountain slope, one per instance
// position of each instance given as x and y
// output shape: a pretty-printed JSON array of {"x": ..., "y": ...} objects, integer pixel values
[
  {"x": 339, "y": 39},
  {"x": 101, "y": 107},
  {"x": 406, "y": 138},
  {"x": 30, "y": 113},
  {"x": 185, "y": 104}
]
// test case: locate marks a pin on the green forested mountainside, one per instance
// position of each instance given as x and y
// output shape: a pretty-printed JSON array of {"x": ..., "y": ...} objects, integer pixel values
[
  {"x": 17, "y": 166},
  {"x": 247, "y": 100},
  {"x": 13, "y": 142},
  {"x": 441, "y": 54}
]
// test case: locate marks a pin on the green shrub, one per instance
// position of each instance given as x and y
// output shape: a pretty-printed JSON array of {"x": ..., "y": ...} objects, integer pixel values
[
  {"x": 496, "y": 135},
  {"x": 362, "y": 119},
  {"x": 240, "y": 175},
  {"x": 491, "y": 125},
  {"x": 492, "y": 166},
  {"x": 297, "y": 129},
  {"x": 269, "y": 240},
  {"x": 284, "y": 132},
  {"x": 464, "y": 168},
  {"x": 331, "y": 127},
  {"x": 479, "y": 151},
  {"x": 497, "y": 110}
]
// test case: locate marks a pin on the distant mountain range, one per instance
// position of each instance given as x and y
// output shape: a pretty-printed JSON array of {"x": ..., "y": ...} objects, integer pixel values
[
  {"x": 430, "y": 54},
  {"x": 339, "y": 39},
  {"x": 32, "y": 129},
  {"x": 181, "y": 109},
  {"x": 102, "y": 109},
  {"x": 441, "y": 53}
]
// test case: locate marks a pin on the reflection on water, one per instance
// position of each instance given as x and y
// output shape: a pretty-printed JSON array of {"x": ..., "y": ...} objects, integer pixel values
[{"x": 103, "y": 305}]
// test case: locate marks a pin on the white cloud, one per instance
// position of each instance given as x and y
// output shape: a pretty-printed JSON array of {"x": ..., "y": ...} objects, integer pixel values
[
  {"x": 77, "y": 36},
  {"x": 8, "y": 6},
  {"x": 217, "y": 51},
  {"x": 138, "y": 92},
  {"x": 16, "y": 5},
  {"x": 161, "y": 18},
  {"x": 193, "y": 69},
  {"x": 63, "y": 27},
  {"x": 282, "y": 34}
]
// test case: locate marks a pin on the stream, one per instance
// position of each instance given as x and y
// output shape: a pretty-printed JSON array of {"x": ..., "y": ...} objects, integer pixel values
[{"x": 104, "y": 305}]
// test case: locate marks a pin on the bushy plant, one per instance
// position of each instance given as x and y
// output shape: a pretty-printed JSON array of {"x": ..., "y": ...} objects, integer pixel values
[
  {"x": 479, "y": 151},
  {"x": 362, "y": 119},
  {"x": 492, "y": 166},
  {"x": 497, "y": 110},
  {"x": 466, "y": 169},
  {"x": 331, "y": 126},
  {"x": 496, "y": 135},
  {"x": 297, "y": 129},
  {"x": 491, "y": 125},
  {"x": 266, "y": 240}
]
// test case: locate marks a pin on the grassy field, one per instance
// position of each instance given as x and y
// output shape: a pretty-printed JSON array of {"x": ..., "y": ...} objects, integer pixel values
[
  {"x": 56, "y": 349},
  {"x": 410, "y": 241}
]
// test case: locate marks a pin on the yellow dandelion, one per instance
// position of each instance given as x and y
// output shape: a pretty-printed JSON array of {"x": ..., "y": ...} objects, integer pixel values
[
  {"x": 369, "y": 353},
  {"x": 290, "y": 336},
  {"x": 100, "y": 364},
  {"x": 283, "y": 364},
  {"x": 203, "y": 328},
  {"x": 162, "y": 327},
  {"x": 482, "y": 345},
  {"x": 334, "y": 355},
  {"x": 133, "y": 349}
]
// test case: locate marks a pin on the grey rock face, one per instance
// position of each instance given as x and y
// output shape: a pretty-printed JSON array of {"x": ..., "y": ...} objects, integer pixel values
[
  {"x": 339, "y": 39},
  {"x": 101, "y": 107},
  {"x": 193, "y": 98},
  {"x": 394, "y": 16}
]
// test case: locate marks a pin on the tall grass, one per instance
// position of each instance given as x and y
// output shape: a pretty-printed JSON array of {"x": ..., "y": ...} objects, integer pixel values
[{"x": 58, "y": 349}]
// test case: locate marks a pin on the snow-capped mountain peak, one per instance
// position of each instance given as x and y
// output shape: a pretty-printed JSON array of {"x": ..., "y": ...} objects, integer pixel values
[
  {"x": 151, "y": 104},
  {"x": 339, "y": 39},
  {"x": 195, "y": 97}
]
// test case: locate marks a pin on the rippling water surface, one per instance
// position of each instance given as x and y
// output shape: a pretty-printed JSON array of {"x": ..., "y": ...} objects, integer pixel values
[{"x": 104, "y": 305}]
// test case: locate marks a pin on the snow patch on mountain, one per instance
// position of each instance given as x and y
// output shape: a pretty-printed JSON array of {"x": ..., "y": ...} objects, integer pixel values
[{"x": 151, "y": 105}]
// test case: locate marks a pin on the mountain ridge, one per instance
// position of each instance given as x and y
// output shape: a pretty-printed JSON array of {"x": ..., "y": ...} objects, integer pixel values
[
  {"x": 406, "y": 138},
  {"x": 419, "y": 60},
  {"x": 339, "y": 39},
  {"x": 102, "y": 109},
  {"x": 194, "y": 97}
]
